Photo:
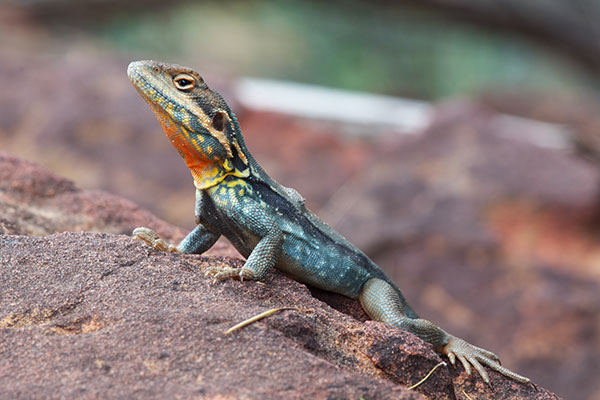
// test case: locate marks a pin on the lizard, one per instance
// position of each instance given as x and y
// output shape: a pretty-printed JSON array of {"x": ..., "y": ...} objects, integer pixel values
[{"x": 266, "y": 222}]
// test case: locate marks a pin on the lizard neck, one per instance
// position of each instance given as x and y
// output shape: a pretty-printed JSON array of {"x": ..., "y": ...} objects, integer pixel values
[
  {"x": 212, "y": 174},
  {"x": 208, "y": 168}
]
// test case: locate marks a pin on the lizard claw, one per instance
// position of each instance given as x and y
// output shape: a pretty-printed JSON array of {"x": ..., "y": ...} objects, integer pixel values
[
  {"x": 153, "y": 239},
  {"x": 452, "y": 358},
  {"x": 230, "y": 273},
  {"x": 476, "y": 357},
  {"x": 467, "y": 366}
]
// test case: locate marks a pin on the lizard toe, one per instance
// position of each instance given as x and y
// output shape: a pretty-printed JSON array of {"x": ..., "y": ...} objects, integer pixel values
[
  {"x": 220, "y": 274},
  {"x": 476, "y": 357},
  {"x": 153, "y": 239}
]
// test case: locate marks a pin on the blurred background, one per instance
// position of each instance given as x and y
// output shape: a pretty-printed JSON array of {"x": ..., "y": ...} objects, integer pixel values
[{"x": 456, "y": 143}]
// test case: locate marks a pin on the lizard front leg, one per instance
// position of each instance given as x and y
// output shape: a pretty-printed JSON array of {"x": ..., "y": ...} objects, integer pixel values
[
  {"x": 266, "y": 252},
  {"x": 196, "y": 242},
  {"x": 383, "y": 303}
]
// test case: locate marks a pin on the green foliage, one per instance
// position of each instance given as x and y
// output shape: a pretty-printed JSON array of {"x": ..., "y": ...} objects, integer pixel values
[{"x": 351, "y": 45}]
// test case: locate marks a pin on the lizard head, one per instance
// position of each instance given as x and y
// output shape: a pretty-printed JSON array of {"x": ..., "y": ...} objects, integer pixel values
[{"x": 198, "y": 122}]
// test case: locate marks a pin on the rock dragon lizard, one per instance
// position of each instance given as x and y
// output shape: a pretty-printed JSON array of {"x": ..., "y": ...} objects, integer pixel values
[{"x": 267, "y": 222}]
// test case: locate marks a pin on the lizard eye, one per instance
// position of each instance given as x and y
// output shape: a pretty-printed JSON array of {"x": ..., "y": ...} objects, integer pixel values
[
  {"x": 184, "y": 82},
  {"x": 218, "y": 121}
]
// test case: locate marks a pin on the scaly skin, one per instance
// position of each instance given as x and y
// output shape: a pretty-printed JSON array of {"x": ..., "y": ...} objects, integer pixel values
[{"x": 268, "y": 223}]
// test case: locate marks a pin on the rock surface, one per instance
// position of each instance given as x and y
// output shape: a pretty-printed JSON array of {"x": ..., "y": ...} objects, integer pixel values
[{"x": 98, "y": 315}]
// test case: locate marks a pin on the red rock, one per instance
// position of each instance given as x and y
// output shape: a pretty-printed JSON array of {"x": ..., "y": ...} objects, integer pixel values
[{"x": 98, "y": 315}]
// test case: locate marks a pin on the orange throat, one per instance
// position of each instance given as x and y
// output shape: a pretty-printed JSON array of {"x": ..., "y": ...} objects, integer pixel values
[{"x": 206, "y": 172}]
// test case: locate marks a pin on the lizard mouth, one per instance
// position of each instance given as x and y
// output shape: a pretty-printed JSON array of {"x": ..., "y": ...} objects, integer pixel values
[
  {"x": 135, "y": 72},
  {"x": 135, "y": 68},
  {"x": 146, "y": 85}
]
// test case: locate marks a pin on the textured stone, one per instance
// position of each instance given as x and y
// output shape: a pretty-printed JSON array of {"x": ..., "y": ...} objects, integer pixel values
[{"x": 89, "y": 315}]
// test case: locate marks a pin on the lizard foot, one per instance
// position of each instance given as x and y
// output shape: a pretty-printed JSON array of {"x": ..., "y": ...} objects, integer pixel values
[
  {"x": 231, "y": 273},
  {"x": 476, "y": 356},
  {"x": 153, "y": 239}
]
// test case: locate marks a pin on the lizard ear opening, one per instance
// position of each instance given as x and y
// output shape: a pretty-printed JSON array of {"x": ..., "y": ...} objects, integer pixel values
[{"x": 218, "y": 121}]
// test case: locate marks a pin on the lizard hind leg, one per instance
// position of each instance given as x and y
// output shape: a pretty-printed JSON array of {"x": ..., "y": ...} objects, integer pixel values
[{"x": 382, "y": 302}]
